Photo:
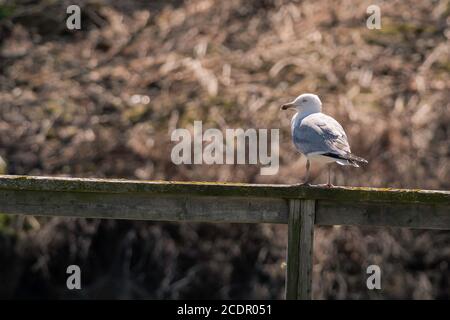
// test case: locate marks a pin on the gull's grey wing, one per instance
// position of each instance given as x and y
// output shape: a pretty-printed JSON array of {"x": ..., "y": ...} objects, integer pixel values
[{"x": 320, "y": 133}]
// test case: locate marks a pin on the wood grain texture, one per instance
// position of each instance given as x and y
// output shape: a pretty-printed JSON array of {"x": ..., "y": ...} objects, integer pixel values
[
  {"x": 306, "y": 249},
  {"x": 293, "y": 250},
  {"x": 219, "y": 202},
  {"x": 223, "y": 189},
  {"x": 144, "y": 207},
  {"x": 300, "y": 249},
  {"x": 408, "y": 215}
]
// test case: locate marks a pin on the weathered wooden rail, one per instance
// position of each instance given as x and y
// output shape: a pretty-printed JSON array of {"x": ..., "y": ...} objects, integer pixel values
[{"x": 299, "y": 207}]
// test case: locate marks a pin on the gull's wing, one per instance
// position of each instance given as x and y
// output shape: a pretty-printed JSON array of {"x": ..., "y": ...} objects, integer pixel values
[{"x": 320, "y": 133}]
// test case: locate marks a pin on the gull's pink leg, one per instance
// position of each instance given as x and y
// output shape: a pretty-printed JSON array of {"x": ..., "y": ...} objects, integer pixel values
[
  {"x": 306, "y": 182},
  {"x": 329, "y": 176},
  {"x": 308, "y": 164}
]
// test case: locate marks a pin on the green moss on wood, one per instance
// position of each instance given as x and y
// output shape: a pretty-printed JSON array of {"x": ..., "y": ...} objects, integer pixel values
[{"x": 224, "y": 189}]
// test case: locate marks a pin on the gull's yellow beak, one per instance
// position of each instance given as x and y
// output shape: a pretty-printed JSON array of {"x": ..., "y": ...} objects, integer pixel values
[{"x": 286, "y": 106}]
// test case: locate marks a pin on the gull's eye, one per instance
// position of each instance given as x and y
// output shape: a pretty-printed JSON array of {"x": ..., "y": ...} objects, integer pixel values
[{"x": 304, "y": 100}]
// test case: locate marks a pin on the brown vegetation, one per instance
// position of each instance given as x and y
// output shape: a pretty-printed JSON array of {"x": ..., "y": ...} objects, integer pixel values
[{"x": 102, "y": 102}]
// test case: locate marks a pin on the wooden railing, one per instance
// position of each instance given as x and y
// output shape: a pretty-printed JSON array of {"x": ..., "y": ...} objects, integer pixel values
[{"x": 299, "y": 207}]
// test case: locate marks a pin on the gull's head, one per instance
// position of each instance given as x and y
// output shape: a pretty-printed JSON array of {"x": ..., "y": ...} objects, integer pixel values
[{"x": 306, "y": 102}]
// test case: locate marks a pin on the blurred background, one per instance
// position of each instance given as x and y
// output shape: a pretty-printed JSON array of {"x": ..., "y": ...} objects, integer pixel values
[{"x": 102, "y": 102}]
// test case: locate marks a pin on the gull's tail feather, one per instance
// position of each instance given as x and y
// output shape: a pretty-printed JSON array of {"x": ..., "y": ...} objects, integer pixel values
[
  {"x": 349, "y": 159},
  {"x": 352, "y": 157}
]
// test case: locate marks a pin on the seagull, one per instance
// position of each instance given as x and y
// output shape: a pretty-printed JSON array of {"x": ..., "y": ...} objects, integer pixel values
[{"x": 319, "y": 137}]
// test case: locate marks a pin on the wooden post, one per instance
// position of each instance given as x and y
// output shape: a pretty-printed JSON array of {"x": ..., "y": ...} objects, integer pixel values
[{"x": 300, "y": 249}]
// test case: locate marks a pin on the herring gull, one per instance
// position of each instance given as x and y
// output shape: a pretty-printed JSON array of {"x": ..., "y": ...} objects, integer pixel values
[{"x": 319, "y": 137}]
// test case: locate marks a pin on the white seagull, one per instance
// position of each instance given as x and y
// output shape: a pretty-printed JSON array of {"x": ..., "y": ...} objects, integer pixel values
[{"x": 319, "y": 137}]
